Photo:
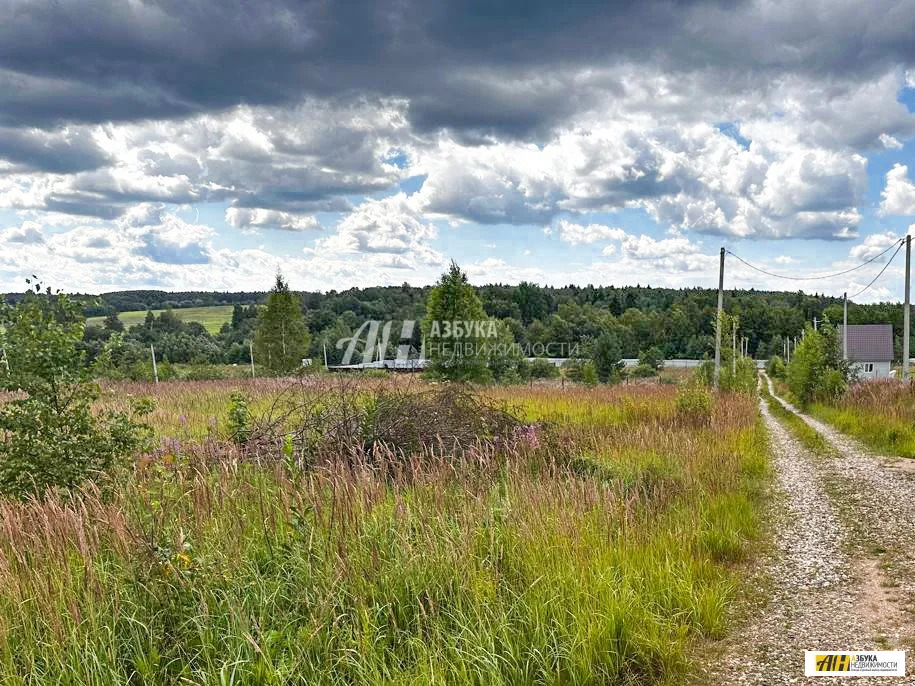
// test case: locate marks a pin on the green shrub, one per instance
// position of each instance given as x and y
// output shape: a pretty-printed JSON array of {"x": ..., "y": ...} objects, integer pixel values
[
  {"x": 589, "y": 373},
  {"x": 49, "y": 435},
  {"x": 543, "y": 369},
  {"x": 643, "y": 371},
  {"x": 695, "y": 403},
  {"x": 239, "y": 418},
  {"x": 653, "y": 358},
  {"x": 817, "y": 370},
  {"x": 740, "y": 377},
  {"x": 775, "y": 367}
]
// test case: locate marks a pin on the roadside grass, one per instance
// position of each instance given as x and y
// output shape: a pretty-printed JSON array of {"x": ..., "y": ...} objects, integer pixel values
[
  {"x": 212, "y": 317},
  {"x": 599, "y": 549},
  {"x": 879, "y": 413},
  {"x": 809, "y": 437}
]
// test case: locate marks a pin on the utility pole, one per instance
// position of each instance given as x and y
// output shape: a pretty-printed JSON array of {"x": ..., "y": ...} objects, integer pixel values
[
  {"x": 325, "y": 355},
  {"x": 251, "y": 354},
  {"x": 718, "y": 319},
  {"x": 734, "y": 347},
  {"x": 845, "y": 326},
  {"x": 907, "y": 312},
  {"x": 152, "y": 351}
]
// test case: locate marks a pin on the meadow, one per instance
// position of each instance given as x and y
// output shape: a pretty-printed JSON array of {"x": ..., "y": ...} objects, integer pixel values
[
  {"x": 879, "y": 413},
  {"x": 212, "y": 317},
  {"x": 583, "y": 536}
]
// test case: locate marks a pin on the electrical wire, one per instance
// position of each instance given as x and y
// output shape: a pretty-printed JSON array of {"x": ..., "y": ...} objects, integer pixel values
[
  {"x": 888, "y": 262},
  {"x": 822, "y": 276}
]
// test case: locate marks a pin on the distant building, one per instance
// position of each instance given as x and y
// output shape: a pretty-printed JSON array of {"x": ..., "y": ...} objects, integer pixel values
[{"x": 870, "y": 349}]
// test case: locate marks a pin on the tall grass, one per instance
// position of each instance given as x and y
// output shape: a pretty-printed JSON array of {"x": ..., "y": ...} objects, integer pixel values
[
  {"x": 595, "y": 549},
  {"x": 806, "y": 434},
  {"x": 880, "y": 413}
]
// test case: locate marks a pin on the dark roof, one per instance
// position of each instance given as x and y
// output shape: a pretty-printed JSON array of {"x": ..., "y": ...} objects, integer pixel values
[{"x": 869, "y": 342}]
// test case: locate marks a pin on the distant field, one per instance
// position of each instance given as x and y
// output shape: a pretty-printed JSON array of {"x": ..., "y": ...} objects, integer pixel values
[{"x": 211, "y": 317}]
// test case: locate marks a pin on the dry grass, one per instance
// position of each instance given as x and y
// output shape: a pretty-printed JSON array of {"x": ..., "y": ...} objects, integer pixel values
[
  {"x": 880, "y": 413},
  {"x": 595, "y": 547}
]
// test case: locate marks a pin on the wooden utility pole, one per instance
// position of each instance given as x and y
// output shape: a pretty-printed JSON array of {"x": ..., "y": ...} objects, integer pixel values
[
  {"x": 907, "y": 311},
  {"x": 152, "y": 351},
  {"x": 845, "y": 326},
  {"x": 718, "y": 319}
]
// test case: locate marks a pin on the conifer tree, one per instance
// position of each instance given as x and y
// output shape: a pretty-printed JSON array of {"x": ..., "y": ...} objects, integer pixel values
[
  {"x": 454, "y": 328},
  {"x": 281, "y": 339}
]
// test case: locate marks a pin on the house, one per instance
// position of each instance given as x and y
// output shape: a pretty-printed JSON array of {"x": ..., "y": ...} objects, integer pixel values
[{"x": 870, "y": 349}]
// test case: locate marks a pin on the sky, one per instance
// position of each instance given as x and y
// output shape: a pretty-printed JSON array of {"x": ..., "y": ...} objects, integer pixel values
[{"x": 203, "y": 145}]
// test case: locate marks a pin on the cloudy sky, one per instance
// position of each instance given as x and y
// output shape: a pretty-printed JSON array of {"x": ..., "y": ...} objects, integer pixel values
[{"x": 194, "y": 144}]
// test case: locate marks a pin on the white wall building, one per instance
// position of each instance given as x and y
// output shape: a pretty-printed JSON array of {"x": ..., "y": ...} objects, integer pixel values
[{"x": 870, "y": 349}]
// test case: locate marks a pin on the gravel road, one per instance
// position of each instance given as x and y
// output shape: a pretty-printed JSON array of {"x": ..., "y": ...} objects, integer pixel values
[{"x": 839, "y": 573}]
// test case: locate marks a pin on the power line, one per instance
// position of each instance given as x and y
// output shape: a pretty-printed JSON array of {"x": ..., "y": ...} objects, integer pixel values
[
  {"x": 822, "y": 276},
  {"x": 888, "y": 262}
]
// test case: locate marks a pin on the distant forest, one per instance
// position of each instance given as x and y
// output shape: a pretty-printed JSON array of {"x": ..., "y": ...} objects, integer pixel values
[{"x": 679, "y": 322}]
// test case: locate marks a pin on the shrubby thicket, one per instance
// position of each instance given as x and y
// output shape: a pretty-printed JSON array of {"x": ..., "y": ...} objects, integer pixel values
[{"x": 49, "y": 435}]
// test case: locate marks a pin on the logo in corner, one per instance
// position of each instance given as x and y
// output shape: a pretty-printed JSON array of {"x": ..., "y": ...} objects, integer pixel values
[{"x": 850, "y": 663}]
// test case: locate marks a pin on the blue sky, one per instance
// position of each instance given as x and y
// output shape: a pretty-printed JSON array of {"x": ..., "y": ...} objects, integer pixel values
[{"x": 365, "y": 143}]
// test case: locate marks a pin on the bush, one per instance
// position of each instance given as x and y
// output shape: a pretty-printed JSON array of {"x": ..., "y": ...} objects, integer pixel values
[
  {"x": 606, "y": 354},
  {"x": 352, "y": 423},
  {"x": 817, "y": 370},
  {"x": 695, "y": 403},
  {"x": 740, "y": 377},
  {"x": 775, "y": 367},
  {"x": 653, "y": 357},
  {"x": 239, "y": 418},
  {"x": 589, "y": 373},
  {"x": 49, "y": 435},
  {"x": 643, "y": 371},
  {"x": 543, "y": 369}
]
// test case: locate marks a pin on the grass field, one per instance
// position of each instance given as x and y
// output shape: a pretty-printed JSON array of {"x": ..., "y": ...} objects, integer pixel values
[
  {"x": 212, "y": 317},
  {"x": 593, "y": 543},
  {"x": 880, "y": 413}
]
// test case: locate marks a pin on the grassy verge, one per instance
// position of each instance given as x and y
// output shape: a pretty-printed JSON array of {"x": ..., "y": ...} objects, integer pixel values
[
  {"x": 801, "y": 430},
  {"x": 884, "y": 433},
  {"x": 597, "y": 548}
]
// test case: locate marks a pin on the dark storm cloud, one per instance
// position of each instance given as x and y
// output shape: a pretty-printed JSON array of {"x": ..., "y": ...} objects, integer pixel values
[
  {"x": 61, "y": 153},
  {"x": 101, "y": 60}
]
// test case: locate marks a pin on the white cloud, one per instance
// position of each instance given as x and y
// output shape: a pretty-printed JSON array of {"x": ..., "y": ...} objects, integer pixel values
[
  {"x": 890, "y": 142},
  {"x": 578, "y": 234},
  {"x": 899, "y": 195},
  {"x": 28, "y": 233},
  {"x": 872, "y": 246},
  {"x": 393, "y": 225},
  {"x": 250, "y": 219}
]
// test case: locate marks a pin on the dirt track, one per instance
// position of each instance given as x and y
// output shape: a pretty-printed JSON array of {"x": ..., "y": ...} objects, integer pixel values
[{"x": 840, "y": 574}]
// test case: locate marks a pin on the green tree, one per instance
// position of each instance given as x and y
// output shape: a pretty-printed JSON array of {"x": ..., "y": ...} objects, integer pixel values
[
  {"x": 281, "y": 339},
  {"x": 653, "y": 358},
  {"x": 606, "y": 357},
  {"x": 455, "y": 329},
  {"x": 49, "y": 435},
  {"x": 817, "y": 370}
]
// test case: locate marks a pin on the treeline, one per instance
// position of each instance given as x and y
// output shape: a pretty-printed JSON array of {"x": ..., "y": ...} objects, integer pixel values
[{"x": 544, "y": 320}]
